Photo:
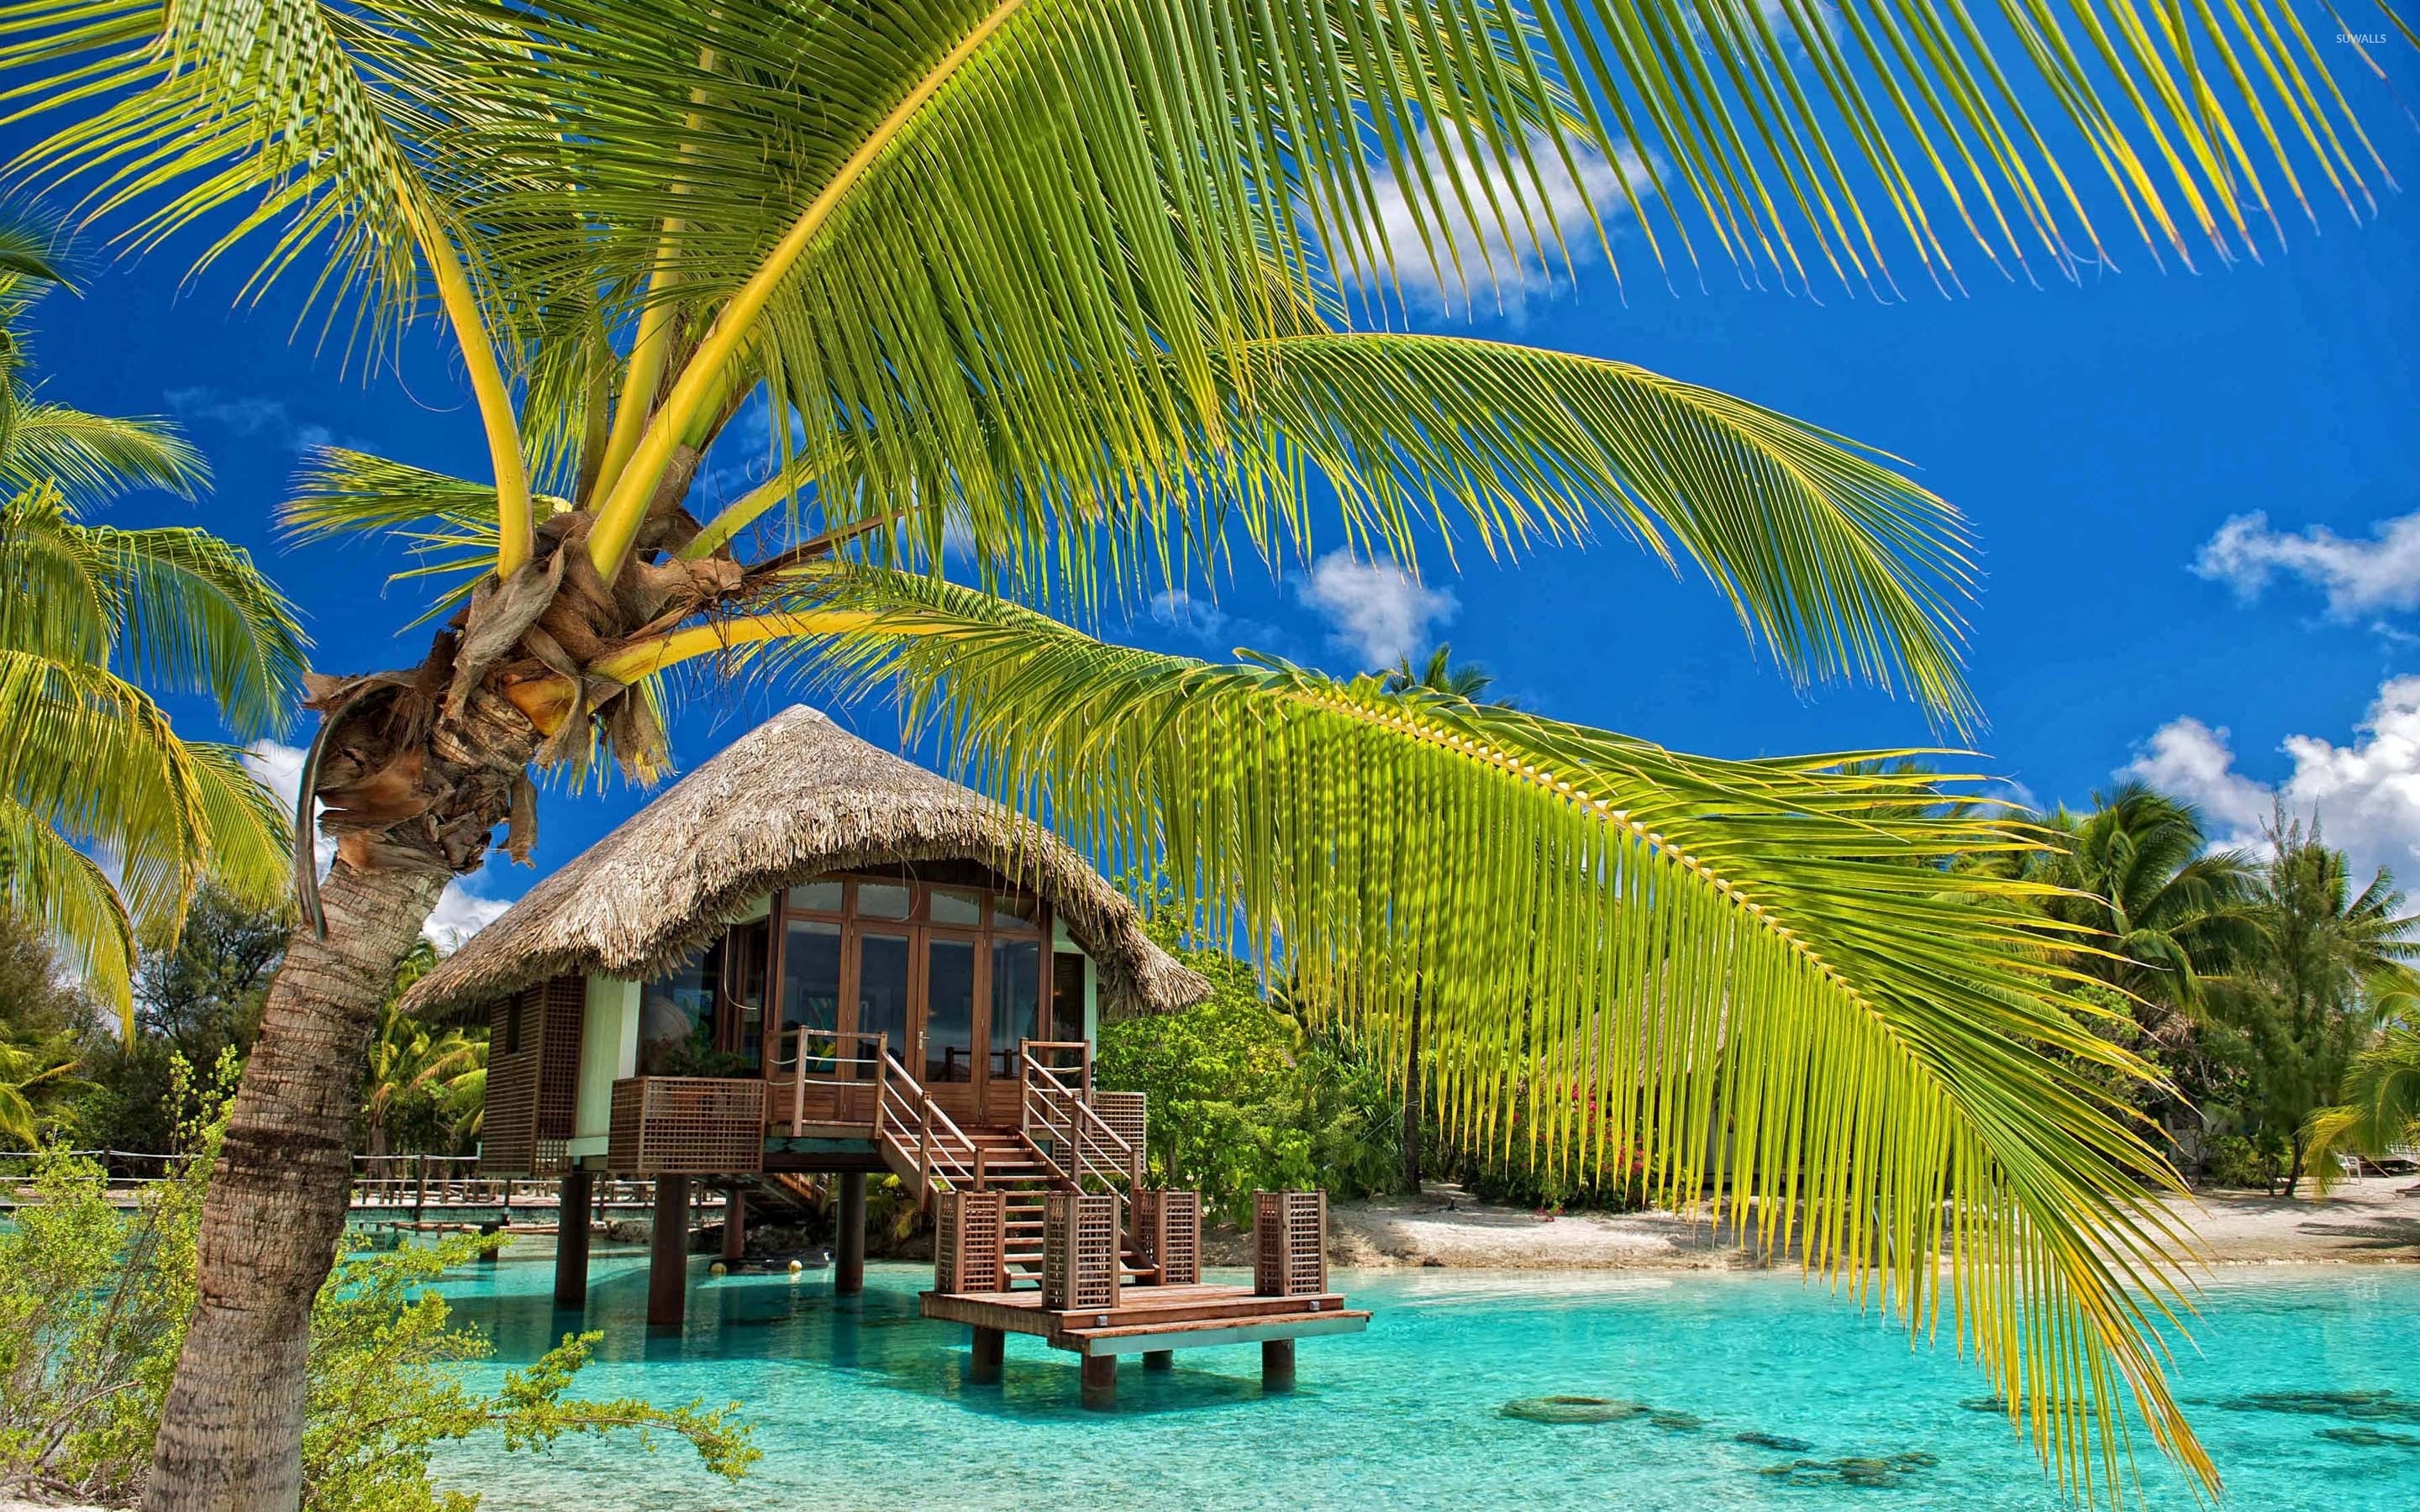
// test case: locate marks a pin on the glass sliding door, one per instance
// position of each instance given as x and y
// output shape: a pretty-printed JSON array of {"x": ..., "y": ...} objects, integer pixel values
[
  {"x": 1015, "y": 1000},
  {"x": 949, "y": 1010},
  {"x": 883, "y": 982}
]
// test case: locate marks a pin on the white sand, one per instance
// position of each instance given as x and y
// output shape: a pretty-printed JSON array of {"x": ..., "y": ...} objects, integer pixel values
[{"x": 2362, "y": 1222}]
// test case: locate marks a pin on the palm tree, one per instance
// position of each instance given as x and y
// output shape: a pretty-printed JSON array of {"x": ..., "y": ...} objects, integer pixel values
[
  {"x": 1066, "y": 285},
  {"x": 2331, "y": 963},
  {"x": 410, "y": 1058},
  {"x": 2166, "y": 909},
  {"x": 23, "y": 1068},
  {"x": 2381, "y": 1107},
  {"x": 93, "y": 620}
]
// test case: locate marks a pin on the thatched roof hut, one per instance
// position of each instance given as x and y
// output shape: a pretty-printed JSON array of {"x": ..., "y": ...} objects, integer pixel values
[{"x": 794, "y": 798}]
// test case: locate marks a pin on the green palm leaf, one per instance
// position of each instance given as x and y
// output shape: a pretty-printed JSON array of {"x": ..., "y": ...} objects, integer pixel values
[
  {"x": 1621, "y": 949},
  {"x": 94, "y": 458},
  {"x": 67, "y": 895}
]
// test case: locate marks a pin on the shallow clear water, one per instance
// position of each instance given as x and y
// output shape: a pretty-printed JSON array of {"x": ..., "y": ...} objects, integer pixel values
[{"x": 860, "y": 1403}]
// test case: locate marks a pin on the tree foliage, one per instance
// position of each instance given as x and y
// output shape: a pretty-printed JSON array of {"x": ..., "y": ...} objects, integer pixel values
[{"x": 93, "y": 1305}]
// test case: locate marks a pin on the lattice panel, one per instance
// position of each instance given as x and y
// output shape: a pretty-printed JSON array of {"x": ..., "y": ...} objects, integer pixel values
[
  {"x": 1079, "y": 1251},
  {"x": 687, "y": 1126},
  {"x": 967, "y": 1231},
  {"x": 563, "y": 1004},
  {"x": 508, "y": 1130},
  {"x": 1124, "y": 1113},
  {"x": 1170, "y": 1225},
  {"x": 1289, "y": 1243}
]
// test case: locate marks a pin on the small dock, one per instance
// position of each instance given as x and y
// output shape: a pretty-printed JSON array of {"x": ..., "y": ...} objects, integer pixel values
[{"x": 1152, "y": 1321}]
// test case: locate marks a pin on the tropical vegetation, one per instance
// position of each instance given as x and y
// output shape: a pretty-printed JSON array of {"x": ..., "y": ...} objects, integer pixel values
[
  {"x": 1086, "y": 292},
  {"x": 2380, "y": 1108},
  {"x": 93, "y": 1305},
  {"x": 110, "y": 822}
]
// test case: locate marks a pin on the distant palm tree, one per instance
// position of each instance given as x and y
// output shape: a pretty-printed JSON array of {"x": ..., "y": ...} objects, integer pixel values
[
  {"x": 2164, "y": 909},
  {"x": 2332, "y": 963},
  {"x": 410, "y": 1057},
  {"x": 21, "y": 1070},
  {"x": 2380, "y": 1108},
  {"x": 93, "y": 620},
  {"x": 1442, "y": 676}
]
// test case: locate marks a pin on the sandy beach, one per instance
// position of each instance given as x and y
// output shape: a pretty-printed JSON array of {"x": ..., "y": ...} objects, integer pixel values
[{"x": 2368, "y": 1221}]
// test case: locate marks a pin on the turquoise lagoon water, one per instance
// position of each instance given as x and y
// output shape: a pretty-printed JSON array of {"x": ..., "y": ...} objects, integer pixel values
[{"x": 860, "y": 1403}]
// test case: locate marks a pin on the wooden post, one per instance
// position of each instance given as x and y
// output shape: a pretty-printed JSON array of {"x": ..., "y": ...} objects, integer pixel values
[
  {"x": 668, "y": 1254},
  {"x": 990, "y": 1345},
  {"x": 734, "y": 1224},
  {"x": 1277, "y": 1364},
  {"x": 849, "y": 1251},
  {"x": 1160, "y": 1359},
  {"x": 571, "y": 1239},
  {"x": 1100, "y": 1380}
]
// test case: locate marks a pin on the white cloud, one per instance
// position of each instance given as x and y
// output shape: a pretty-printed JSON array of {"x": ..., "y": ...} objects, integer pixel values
[
  {"x": 1375, "y": 610},
  {"x": 460, "y": 913},
  {"x": 248, "y": 415},
  {"x": 2358, "y": 576},
  {"x": 2365, "y": 794},
  {"x": 1497, "y": 271},
  {"x": 1181, "y": 612}
]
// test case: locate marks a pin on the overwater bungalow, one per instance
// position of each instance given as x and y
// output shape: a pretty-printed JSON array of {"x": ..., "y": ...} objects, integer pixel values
[{"x": 809, "y": 957}]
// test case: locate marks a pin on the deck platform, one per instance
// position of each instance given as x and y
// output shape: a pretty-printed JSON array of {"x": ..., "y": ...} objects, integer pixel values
[{"x": 1152, "y": 1319}]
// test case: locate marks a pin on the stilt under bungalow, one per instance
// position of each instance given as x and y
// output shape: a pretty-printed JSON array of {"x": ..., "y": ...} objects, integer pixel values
[
  {"x": 571, "y": 1239},
  {"x": 810, "y": 958},
  {"x": 987, "y": 1347},
  {"x": 848, "y": 1246},
  {"x": 668, "y": 1254},
  {"x": 735, "y": 1226}
]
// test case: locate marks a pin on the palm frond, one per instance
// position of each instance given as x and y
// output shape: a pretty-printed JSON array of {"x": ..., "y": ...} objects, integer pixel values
[
  {"x": 247, "y": 828},
  {"x": 94, "y": 458},
  {"x": 1755, "y": 980},
  {"x": 69, "y": 898},
  {"x": 194, "y": 615}
]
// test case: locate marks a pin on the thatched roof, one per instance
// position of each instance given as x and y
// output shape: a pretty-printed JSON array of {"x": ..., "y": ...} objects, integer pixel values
[{"x": 793, "y": 798}]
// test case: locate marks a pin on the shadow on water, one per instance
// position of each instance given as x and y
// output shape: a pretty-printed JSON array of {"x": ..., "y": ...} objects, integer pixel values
[{"x": 879, "y": 1337}]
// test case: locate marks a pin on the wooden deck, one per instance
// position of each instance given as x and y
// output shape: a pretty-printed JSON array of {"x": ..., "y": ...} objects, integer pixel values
[{"x": 1152, "y": 1319}]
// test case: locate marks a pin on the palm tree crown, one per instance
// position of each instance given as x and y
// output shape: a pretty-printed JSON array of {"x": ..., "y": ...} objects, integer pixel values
[{"x": 91, "y": 617}]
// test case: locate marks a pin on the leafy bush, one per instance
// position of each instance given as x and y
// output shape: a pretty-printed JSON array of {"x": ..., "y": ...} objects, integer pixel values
[
  {"x": 2234, "y": 1160},
  {"x": 93, "y": 1304},
  {"x": 1244, "y": 1098}
]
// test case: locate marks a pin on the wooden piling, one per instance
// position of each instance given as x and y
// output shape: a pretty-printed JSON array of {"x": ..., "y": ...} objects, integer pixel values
[
  {"x": 1160, "y": 1359},
  {"x": 990, "y": 1348},
  {"x": 849, "y": 1251},
  {"x": 571, "y": 1239},
  {"x": 735, "y": 1226},
  {"x": 668, "y": 1254},
  {"x": 1277, "y": 1364},
  {"x": 1100, "y": 1380}
]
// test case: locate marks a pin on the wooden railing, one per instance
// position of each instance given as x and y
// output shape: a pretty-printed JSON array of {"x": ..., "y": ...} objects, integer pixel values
[
  {"x": 381, "y": 1183},
  {"x": 913, "y": 1131},
  {"x": 823, "y": 1058},
  {"x": 1082, "y": 1143}
]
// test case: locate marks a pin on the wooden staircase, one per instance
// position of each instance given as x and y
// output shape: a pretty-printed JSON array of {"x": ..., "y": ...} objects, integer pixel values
[{"x": 929, "y": 1152}]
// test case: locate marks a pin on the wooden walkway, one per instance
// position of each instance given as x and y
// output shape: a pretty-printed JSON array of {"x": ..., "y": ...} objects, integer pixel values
[{"x": 1152, "y": 1321}]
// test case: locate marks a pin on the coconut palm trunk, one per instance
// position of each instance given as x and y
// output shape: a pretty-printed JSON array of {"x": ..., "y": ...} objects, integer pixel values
[
  {"x": 276, "y": 1205},
  {"x": 1061, "y": 295}
]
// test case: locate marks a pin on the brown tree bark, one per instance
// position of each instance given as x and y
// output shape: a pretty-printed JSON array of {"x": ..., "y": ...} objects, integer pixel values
[{"x": 232, "y": 1426}]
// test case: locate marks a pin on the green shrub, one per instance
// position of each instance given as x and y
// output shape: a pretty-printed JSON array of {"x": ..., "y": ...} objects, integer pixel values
[
  {"x": 2233, "y": 1160},
  {"x": 93, "y": 1302},
  {"x": 1244, "y": 1098}
]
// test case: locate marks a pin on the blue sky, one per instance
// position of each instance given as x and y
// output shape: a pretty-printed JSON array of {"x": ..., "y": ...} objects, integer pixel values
[{"x": 2111, "y": 443}]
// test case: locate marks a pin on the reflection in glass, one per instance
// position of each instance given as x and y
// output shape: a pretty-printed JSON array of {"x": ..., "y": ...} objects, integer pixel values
[
  {"x": 883, "y": 900},
  {"x": 823, "y": 897},
  {"x": 882, "y": 992},
  {"x": 950, "y": 1012},
  {"x": 676, "y": 1017},
  {"x": 1011, "y": 911},
  {"x": 953, "y": 906},
  {"x": 811, "y": 989},
  {"x": 1015, "y": 1000}
]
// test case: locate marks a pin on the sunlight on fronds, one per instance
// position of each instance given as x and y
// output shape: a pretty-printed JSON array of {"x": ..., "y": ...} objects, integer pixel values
[
  {"x": 1754, "y": 986},
  {"x": 68, "y": 897}
]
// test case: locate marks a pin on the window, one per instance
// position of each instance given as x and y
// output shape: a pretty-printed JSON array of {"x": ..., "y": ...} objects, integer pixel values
[
  {"x": 949, "y": 1010},
  {"x": 676, "y": 1018},
  {"x": 1016, "y": 999},
  {"x": 810, "y": 976},
  {"x": 822, "y": 895},
  {"x": 884, "y": 899},
  {"x": 957, "y": 907}
]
